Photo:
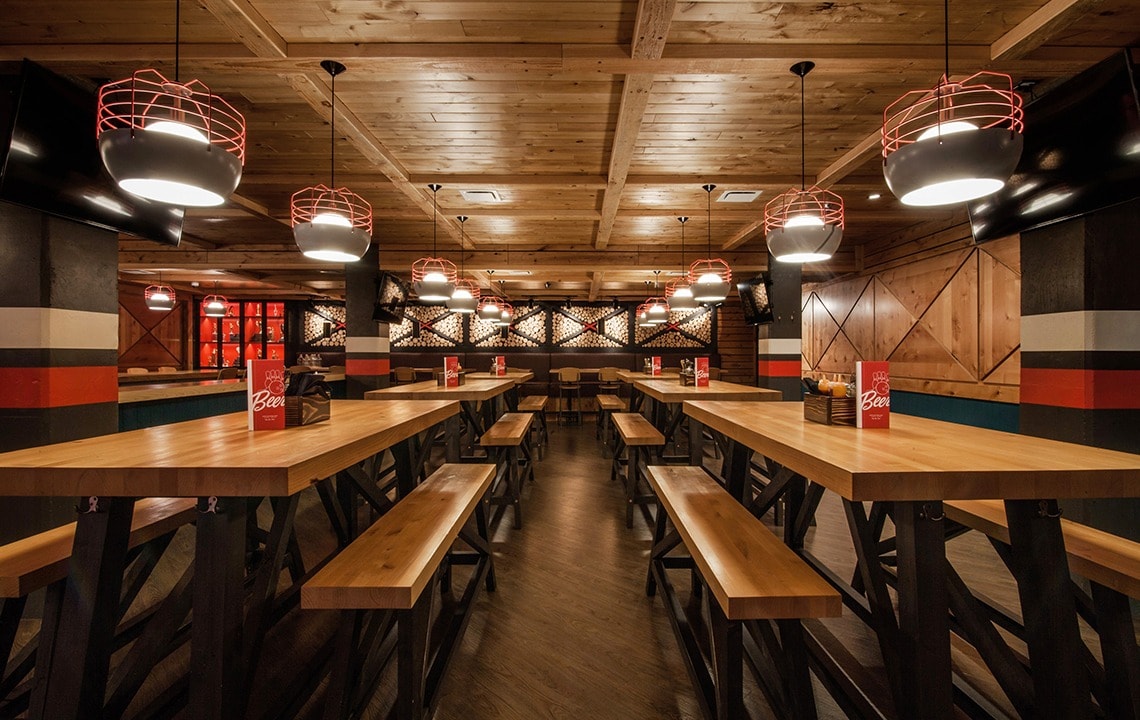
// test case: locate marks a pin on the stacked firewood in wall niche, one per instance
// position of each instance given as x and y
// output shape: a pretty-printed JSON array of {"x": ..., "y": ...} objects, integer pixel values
[
  {"x": 693, "y": 330},
  {"x": 579, "y": 328},
  {"x": 446, "y": 329}
]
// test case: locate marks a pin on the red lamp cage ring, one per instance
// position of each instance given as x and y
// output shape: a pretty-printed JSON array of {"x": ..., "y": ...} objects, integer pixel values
[
  {"x": 814, "y": 202},
  {"x": 164, "y": 293},
  {"x": 470, "y": 286},
  {"x": 425, "y": 265},
  {"x": 709, "y": 265},
  {"x": 672, "y": 285},
  {"x": 310, "y": 202}
]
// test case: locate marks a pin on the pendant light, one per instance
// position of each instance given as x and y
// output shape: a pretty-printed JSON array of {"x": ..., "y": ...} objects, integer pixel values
[
  {"x": 215, "y": 305},
  {"x": 804, "y": 225},
  {"x": 331, "y": 225},
  {"x": 678, "y": 293},
  {"x": 955, "y": 143},
  {"x": 465, "y": 297},
  {"x": 642, "y": 315},
  {"x": 433, "y": 278},
  {"x": 506, "y": 314},
  {"x": 710, "y": 278},
  {"x": 159, "y": 297},
  {"x": 489, "y": 304},
  {"x": 656, "y": 307},
  {"x": 170, "y": 141}
]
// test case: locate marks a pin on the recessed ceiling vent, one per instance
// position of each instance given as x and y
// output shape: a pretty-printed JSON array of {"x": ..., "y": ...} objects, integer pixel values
[
  {"x": 481, "y": 195},
  {"x": 739, "y": 196}
]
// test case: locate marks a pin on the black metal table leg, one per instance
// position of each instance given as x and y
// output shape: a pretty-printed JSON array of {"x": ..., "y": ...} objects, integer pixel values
[
  {"x": 217, "y": 688},
  {"x": 696, "y": 442},
  {"x": 736, "y": 471},
  {"x": 1051, "y": 632},
  {"x": 78, "y": 657},
  {"x": 453, "y": 431},
  {"x": 411, "y": 657},
  {"x": 402, "y": 454},
  {"x": 728, "y": 663}
]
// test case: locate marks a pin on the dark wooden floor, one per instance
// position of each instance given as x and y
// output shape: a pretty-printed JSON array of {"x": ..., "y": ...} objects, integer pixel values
[{"x": 569, "y": 633}]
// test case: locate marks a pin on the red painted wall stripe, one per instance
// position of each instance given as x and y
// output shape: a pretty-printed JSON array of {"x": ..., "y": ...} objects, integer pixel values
[
  {"x": 367, "y": 367},
  {"x": 779, "y": 368},
  {"x": 38, "y": 387},
  {"x": 1084, "y": 389}
]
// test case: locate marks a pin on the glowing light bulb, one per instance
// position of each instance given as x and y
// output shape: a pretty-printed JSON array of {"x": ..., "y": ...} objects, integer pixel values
[
  {"x": 461, "y": 293},
  {"x": 708, "y": 278},
  {"x": 169, "y": 127},
  {"x": 160, "y": 297},
  {"x": 804, "y": 220},
  {"x": 946, "y": 128},
  {"x": 435, "y": 277},
  {"x": 332, "y": 218},
  {"x": 683, "y": 291}
]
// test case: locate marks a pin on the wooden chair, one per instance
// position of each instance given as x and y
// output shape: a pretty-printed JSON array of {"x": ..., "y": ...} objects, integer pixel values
[
  {"x": 608, "y": 382},
  {"x": 405, "y": 375},
  {"x": 230, "y": 373},
  {"x": 383, "y": 583},
  {"x": 634, "y": 432},
  {"x": 714, "y": 373},
  {"x": 167, "y": 369},
  {"x": 752, "y": 578},
  {"x": 569, "y": 389},
  {"x": 509, "y": 439},
  {"x": 137, "y": 371}
]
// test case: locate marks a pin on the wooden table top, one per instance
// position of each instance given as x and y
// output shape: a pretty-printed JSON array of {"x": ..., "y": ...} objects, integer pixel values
[
  {"x": 670, "y": 390},
  {"x": 165, "y": 377},
  {"x": 922, "y": 459},
  {"x": 217, "y": 455},
  {"x": 171, "y": 391},
  {"x": 635, "y": 375},
  {"x": 473, "y": 388}
]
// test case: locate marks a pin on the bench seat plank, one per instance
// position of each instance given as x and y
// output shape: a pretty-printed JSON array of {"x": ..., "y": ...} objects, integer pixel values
[
  {"x": 390, "y": 564},
  {"x": 1100, "y": 556},
  {"x": 610, "y": 403},
  {"x": 636, "y": 430},
  {"x": 749, "y": 570},
  {"x": 37, "y": 561},
  {"x": 533, "y": 403},
  {"x": 508, "y": 430}
]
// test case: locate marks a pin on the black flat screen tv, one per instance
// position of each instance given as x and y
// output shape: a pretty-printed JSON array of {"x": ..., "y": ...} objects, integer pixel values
[
  {"x": 756, "y": 299},
  {"x": 1082, "y": 153},
  {"x": 391, "y": 299},
  {"x": 51, "y": 160}
]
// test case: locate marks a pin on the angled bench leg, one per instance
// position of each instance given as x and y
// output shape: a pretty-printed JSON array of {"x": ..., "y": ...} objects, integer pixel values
[
  {"x": 514, "y": 484},
  {"x": 1118, "y": 645},
  {"x": 412, "y": 628},
  {"x": 341, "y": 687},
  {"x": 632, "y": 470},
  {"x": 615, "y": 466},
  {"x": 728, "y": 663}
]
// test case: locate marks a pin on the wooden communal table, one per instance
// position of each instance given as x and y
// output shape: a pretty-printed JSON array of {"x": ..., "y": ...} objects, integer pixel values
[
  {"x": 219, "y": 461},
  {"x": 167, "y": 377},
  {"x": 915, "y": 465},
  {"x": 477, "y": 396},
  {"x": 666, "y": 394}
]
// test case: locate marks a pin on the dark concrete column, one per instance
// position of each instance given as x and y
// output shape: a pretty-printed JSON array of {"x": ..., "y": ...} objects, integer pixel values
[
  {"x": 778, "y": 344},
  {"x": 58, "y": 346},
  {"x": 367, "y": 359},
  {"x": 1080, "y": 343}
]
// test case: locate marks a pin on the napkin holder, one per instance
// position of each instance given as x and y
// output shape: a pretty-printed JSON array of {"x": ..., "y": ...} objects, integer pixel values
[
  {"x": 307, "y": 400},
  {"x": 829, "y": 410}
]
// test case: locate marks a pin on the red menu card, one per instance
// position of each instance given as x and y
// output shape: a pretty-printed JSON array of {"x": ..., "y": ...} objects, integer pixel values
[
  {"x": 701, "y": 372},
  {"x": 265, "y": 394},
  {"x": 451, "y": 371},
  {"x": 873, "y": 388},
  {"x": 655, "y": 365},
  {"x": 500, "y": 365}
]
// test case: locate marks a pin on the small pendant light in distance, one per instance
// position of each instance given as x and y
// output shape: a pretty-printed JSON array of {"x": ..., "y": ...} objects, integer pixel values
[
  {"x": 330, "y": 223},
  {"x": 642, "y": 315},
  {"x": 465, "y": 297},
  {"x": 804, "y": 225},
  {"x": 489, "y": 304},
  {"x": 656, "y": 307},
  {"x": 159, "y": 297},
  {"x": 710, "y": 278},
  {"x": 506, "y": 314},
  {"x": 678, "y": 292},
  {"x": 955, "y": 143},
  {"x": 433, "y": 278},
  {"x": 170, "y": 141},
  {"x": 215, "y": 305}
]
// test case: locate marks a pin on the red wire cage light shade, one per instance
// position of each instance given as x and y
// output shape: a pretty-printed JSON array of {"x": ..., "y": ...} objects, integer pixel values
[
  {"x": 331, "y": 224},
  {"x": 814, "y": 202},
  {"x": 159, "y": 297},
  {"x": 705, "y": 288},
  {"x": 432, "y": 265},
  {"x": 976, "y": 124},
  {"x": 310, "y": 203},
  {"x": 490, "y": 307},
  {"x": 804, "y": 225},
  {"x": 174, "y": 158}
]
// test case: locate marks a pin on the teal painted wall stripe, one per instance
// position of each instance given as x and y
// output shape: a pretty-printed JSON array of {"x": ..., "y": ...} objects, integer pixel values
[
  {"x": 965, "y": 411},
  {"x": 133, "y": 416}
]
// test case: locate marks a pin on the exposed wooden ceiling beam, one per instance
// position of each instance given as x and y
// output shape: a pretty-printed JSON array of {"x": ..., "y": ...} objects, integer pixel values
[
  {"x": 744, "y": 234},
  {"x": 1035, "y": 30},
  {"x": 595, "y": 284},
  {"x": 250, "y": 27},
  {"x": 649, "y": 33},
  {"x": 850, "y": 161}
]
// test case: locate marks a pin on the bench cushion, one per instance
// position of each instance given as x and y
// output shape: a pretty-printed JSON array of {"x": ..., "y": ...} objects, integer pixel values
[
  {"x": 533, "y": 403},
  {"x": 750, "y": 571},
  {"x": 610, "y": 403},
  {"x": 1100, "y": 556},
  {"x": 508, "y": 431},
  {"x": 390, "y": 564},
  {"x": 37, "y": 561},
  {"x": 636, "y": 430}
]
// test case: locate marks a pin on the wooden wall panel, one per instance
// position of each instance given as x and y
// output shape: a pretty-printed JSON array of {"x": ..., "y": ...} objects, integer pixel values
[
  {"x": 944, "y": 312},
  {"x": 736, "y": 343},
  {"x": 150, "y": 338}
]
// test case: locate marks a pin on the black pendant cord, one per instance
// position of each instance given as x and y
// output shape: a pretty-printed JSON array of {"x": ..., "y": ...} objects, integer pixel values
[
  {"x": 708, "y": 214},
  {"x": 462, "y": 250},
  {"x": 683, "y": 220},
  {"x": 177, "y": 27},
  {"x": 332, "y": 135},
  {"x": 434, "y": 187},
  {"x": 803, "y": 138}
]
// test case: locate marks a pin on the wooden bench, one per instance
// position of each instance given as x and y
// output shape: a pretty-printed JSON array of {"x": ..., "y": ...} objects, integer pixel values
[
  {"x": 1112, "y": 566},
  {"x": 537, "y": 404},
  {"x": 509, "y": 437},
  {"x": 41, "y": 561},
  {"x": 384, "y": 578},
  {"x": 607, "y": 406},
  {"x": 755, "y": 582},
  {"x": 634, "y": 432}
]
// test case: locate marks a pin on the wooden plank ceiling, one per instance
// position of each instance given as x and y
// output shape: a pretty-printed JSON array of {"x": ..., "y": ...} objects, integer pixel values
[{"x": 597, "y": 121}]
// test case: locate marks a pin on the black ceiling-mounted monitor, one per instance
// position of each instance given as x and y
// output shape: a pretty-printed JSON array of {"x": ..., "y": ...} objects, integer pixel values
[
  {"x": 1082, "y": 153},
  {"x": 756, "y": 299},
  {"x": 51, "y": 162},
  {"x": 391, "y": 299}
]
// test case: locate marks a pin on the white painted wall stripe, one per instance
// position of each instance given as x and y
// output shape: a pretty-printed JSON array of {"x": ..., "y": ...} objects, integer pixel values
[
  {"x": 58, "y": 329},
  {"x": 367, "y": 345},
  {"x": 1082, "y": 330},
  {"x": 778, "y": 346}
]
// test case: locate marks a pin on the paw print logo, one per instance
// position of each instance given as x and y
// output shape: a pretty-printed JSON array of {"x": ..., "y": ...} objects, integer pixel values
[
  {"x": 880, "y": 381},
  {"x": 275, "y": 381}
]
